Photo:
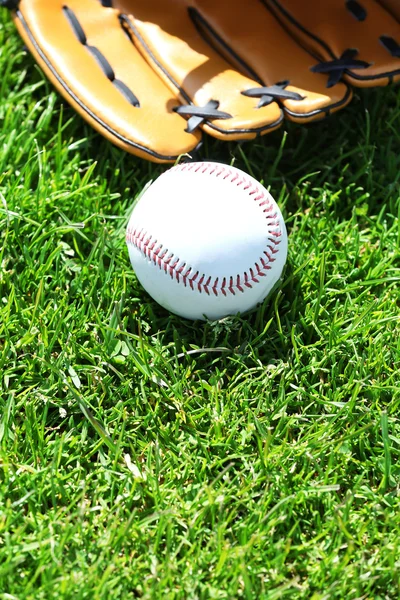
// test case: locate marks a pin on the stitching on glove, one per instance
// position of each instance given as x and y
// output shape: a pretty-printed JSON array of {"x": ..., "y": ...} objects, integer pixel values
[
  {"x": 272, "y": 93},
  {"x": 182, "y": 272},
  {"x": 339, "y": 66},
  {"x": 283, "y": 16},
  {"x": 135, "y": 36},
  {"x": 390, "y": 45},
  {"x": 100, "y": 58},
  {"x": 136, "y": 39},
  {"x": 48, "y": 65},
  {"x": 356, "y": 9},
  {"x": 199, "y": 114}
]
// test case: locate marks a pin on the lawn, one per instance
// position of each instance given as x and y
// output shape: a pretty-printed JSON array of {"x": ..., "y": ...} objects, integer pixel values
[{"x": 145, "y": 456}]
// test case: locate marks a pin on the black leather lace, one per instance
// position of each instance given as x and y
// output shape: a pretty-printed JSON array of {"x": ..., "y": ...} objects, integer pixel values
[
  {"x": 198, "y": 114},
  {"x": 268, "y": 94},
  {"x": 337, "y": 67}
]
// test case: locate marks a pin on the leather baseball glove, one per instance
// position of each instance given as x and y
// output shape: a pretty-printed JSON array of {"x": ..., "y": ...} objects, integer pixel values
[{"x": 151, "y": 75}]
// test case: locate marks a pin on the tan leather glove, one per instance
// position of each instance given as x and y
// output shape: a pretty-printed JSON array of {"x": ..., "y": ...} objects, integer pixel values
[{"x": 151, "y": 75}]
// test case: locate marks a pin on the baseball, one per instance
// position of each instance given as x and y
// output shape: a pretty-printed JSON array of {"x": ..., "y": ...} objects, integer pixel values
[{"x": 207, "y": 240}]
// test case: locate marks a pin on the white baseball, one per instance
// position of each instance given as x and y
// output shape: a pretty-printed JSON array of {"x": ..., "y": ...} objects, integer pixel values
[{"x": 207, "y": 240}]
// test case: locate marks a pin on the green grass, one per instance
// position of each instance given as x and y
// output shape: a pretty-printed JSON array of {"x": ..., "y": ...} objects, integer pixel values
[{"x": 145, "y": 456}]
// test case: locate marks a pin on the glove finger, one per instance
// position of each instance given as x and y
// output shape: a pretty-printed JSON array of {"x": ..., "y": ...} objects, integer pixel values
[
  {"x": 354, "y": 39},
  {"x": 87, "y": 55},
  {"x": 206, "y": 84},
  {"x": 270, "y": 56}
]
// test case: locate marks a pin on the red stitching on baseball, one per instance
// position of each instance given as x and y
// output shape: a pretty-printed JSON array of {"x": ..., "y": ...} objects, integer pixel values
[{"x": 182, "y": 272}]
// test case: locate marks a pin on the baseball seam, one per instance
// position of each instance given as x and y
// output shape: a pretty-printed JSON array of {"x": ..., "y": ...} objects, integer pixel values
[{"x": 182, "y": 272}]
